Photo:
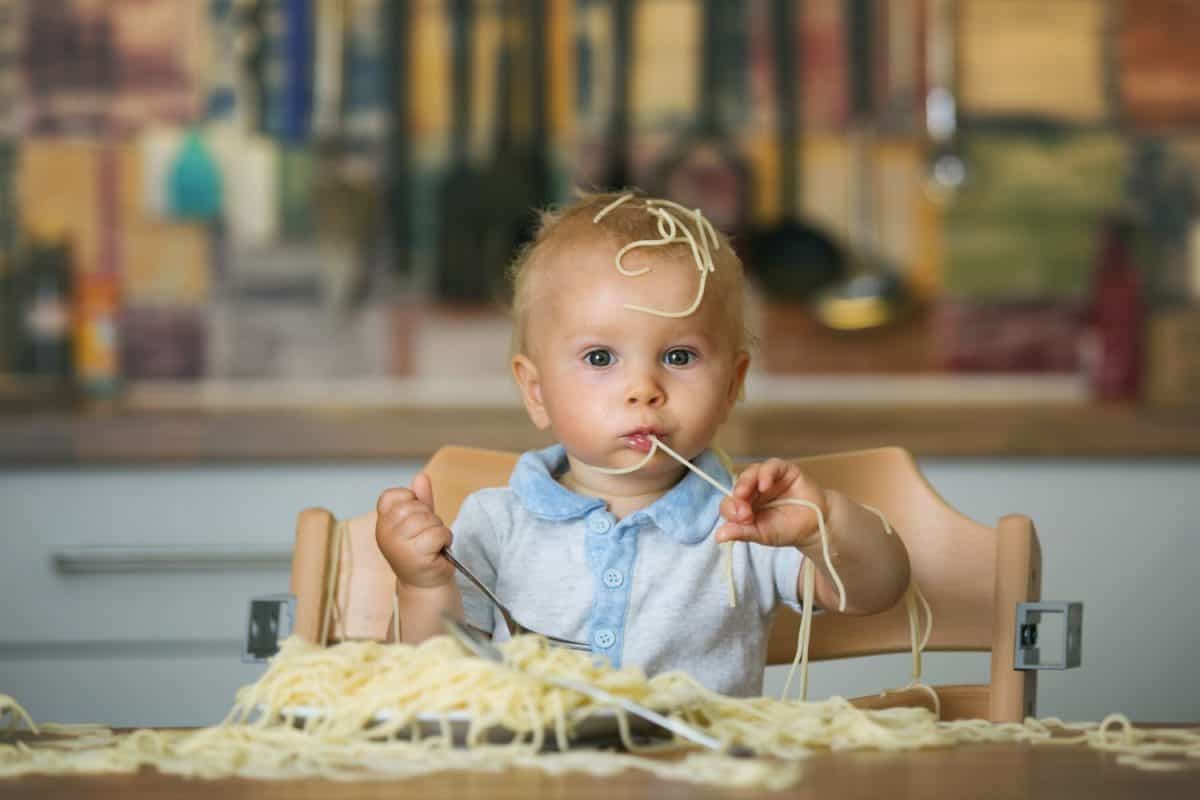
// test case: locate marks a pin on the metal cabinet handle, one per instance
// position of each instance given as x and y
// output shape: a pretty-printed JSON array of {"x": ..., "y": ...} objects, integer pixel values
[{"x": 92, "y": 559}]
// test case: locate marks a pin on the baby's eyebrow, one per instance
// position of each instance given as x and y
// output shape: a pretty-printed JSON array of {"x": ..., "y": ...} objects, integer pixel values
[
  {"x": 588, "y": 340},
  {"x": 689, "y": 337}
]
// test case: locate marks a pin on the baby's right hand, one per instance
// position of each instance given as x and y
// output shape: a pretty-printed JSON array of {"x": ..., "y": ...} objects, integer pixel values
[{"x": 411, "y": 536}]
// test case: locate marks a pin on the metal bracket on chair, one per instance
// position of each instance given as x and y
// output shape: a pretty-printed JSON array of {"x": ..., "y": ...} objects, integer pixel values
[
  {"x": 269, "y": 621},
  {"x": 1027, "y": 654}
]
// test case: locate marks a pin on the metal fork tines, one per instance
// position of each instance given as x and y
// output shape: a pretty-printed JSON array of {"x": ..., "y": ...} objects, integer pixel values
[
  {"x": 514, "y": 628},
  {"x": 480, "y": 646}
]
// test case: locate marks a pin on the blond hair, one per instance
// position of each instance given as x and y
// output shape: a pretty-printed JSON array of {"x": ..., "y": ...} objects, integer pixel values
[{"x": 604, "y": 218}]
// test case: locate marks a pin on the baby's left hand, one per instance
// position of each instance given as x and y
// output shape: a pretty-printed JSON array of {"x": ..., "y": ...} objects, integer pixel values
[{"x": 787, "y": 525}]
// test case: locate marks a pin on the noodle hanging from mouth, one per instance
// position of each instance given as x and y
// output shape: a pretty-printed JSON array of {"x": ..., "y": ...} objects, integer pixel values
[
  {"x": 912, "y": 595},
  {"x": 672, "y": 230},
  {"x": 656, "y": 444}
]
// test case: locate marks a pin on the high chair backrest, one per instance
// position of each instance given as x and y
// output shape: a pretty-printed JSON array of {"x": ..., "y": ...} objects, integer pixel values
[{"x": 972, "y": 575}]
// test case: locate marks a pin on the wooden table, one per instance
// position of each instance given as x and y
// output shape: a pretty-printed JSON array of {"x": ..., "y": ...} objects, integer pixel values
[{"x": 975, "y": 771}]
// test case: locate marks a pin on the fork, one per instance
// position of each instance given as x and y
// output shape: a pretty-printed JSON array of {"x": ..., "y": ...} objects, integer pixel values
[
  {"x": 514, "y": 628},
  {"x": 483, "y": 648}
]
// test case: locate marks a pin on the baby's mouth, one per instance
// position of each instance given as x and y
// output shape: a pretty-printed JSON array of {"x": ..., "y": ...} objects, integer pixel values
[{"x": 640, "y": 439}]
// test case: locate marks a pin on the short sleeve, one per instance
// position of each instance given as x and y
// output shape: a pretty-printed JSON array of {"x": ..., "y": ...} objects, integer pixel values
[
  {"x": 476, "y": 546},
  {"x": 786, "y": 572},
  {"x": 777, "y": 574}
]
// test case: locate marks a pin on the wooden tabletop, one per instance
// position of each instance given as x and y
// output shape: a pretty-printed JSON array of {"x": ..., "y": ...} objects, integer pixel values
[
  {"x": 345, "y": 434},
  {"x": 973, "y": 771}
]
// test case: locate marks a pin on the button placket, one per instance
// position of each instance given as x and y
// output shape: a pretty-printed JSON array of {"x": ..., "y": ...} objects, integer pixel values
[
  {"x": 612, "y": 548},
  {"x": 599, "y": 523}
]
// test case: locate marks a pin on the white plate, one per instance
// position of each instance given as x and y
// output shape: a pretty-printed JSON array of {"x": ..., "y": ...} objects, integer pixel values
[{"x": 595, "y": 728}]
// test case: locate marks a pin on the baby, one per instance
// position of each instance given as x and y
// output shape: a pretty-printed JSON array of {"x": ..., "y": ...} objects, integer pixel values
[{"x": 629, "y": 345}]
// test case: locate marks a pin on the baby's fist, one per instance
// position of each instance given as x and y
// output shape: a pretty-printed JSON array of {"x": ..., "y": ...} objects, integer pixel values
[{"x": 411, "y": 536}]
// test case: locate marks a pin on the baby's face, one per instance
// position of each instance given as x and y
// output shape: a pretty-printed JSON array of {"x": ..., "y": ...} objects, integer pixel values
[{"x": 608, "y": 376}]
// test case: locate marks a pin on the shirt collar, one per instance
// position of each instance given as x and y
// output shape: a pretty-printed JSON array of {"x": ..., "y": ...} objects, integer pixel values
[{"x": 687, "y": 513}]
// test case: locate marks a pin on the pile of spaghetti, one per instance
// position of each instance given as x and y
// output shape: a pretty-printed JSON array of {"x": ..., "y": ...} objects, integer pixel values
[{"x": 357, "y": 711}]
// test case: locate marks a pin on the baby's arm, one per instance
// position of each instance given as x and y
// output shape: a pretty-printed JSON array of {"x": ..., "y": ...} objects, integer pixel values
[
  {"x": 873, "y": 566},
  {"x": 411, "y": 537}
]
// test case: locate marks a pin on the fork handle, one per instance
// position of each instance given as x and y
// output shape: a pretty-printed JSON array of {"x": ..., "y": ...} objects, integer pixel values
[
  {"x": 458, "y": 565},
  {"x": 513, "y": 627}
]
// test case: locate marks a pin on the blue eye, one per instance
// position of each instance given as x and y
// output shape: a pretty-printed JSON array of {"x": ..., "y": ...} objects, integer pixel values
[
  {"x": 678, "y": 357},
  {"x": 598, "y": 358}
]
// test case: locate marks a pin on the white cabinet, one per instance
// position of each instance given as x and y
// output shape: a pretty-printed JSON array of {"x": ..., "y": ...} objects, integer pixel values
[{"x": 123, "y": 592}]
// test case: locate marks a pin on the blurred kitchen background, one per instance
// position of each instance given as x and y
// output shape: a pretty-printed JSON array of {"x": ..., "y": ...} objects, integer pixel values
[
  {"x": 221, "y": 191},
  {"x": 251, "y": 256}
]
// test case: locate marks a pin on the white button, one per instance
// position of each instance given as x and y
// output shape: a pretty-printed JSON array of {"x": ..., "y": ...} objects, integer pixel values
[
  {"x": 613, "y": 578},
  {"x": 605, "y": 638},
  {"x": 599, "y": 523}
]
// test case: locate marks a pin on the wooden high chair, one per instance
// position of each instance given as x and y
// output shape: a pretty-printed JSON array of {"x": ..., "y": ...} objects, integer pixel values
[{"x": 973, "y": 576}]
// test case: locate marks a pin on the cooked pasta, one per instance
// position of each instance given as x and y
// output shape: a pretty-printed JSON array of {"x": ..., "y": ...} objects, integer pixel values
[{"x": 352, "y": 712}]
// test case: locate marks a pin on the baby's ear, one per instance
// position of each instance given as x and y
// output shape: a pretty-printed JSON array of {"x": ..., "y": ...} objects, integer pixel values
[
  {"x": 741, "y": 364},
  {"x": 529, "y": 382}
]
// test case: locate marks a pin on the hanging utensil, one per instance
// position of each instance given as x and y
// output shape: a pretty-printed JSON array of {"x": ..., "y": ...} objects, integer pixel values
[
  {"x": 329, "y": 70},
  {"x": 876, "y": 294},
  {"x": 947, "y": 169},
  {"x": 397, "y": 48},
  {"x": 517, "y": 176},
  {"x": 462, "y": 204},
  {"x": 618, "y": 173},
  {"x": 793, "y": 257},
  {"x": 539, "y": 142},
  {"x": 704, "y": 169},
  {"x": 344, "y": 196}
]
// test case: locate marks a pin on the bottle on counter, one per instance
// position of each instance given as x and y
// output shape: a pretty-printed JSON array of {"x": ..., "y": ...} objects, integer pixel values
[
  {"x": 9, "y": 315},
  {"x": 45, "y": 297},
  {"x": 1117, "y": 314},
  {"x": 194, "y": 181},
  {"x": 9, "y": 303},
  {"x": 96, "y": 343}
]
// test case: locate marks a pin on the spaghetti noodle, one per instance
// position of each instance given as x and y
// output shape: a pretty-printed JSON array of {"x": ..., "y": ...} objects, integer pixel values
[
  {"x": 364, "y": 700},
  {"x": 672, "y": 230}
]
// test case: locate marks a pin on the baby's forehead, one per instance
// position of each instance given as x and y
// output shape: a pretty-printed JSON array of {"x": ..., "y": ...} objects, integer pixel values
[
  {"x": 586, "y": 268},
  {"x": 574, "y": 266},
  {"x": 593, "y": 252},
  {"x": 583, "y": 287}
]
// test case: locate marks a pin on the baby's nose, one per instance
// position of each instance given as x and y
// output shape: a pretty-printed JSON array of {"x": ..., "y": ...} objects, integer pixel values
[{"x": 648, "y": 394}]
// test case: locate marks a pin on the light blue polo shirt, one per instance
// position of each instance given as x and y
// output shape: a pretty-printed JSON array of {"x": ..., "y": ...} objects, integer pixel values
[{"x": 648, "y": 590}]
